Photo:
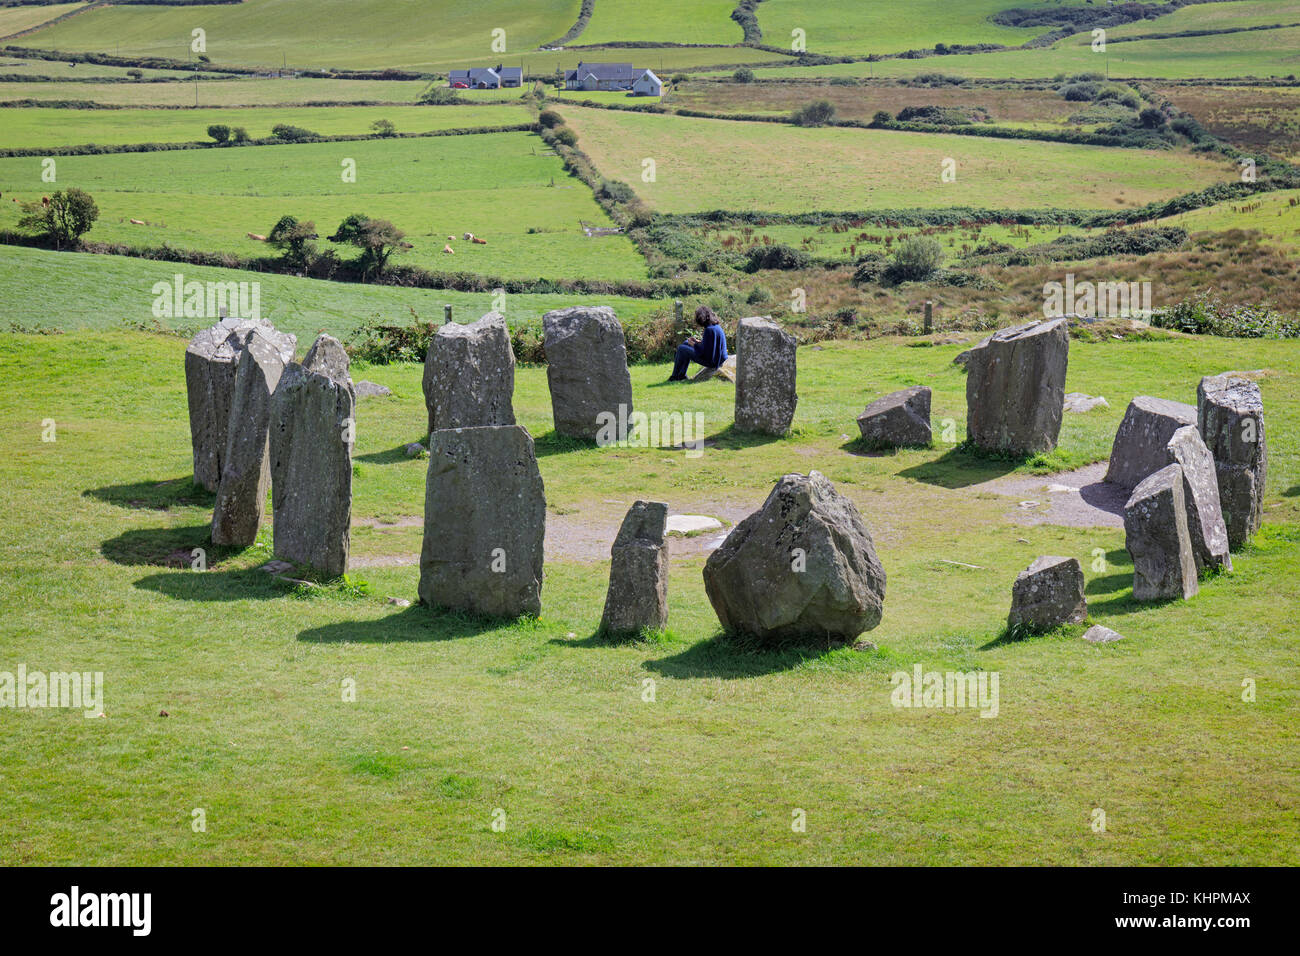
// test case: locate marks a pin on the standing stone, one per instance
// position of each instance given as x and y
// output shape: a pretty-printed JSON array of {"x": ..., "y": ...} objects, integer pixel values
[
  {"x": 1047, "y": 594},
  {"x": 484, "y": 521},
  {"x": 1142, "y": 440},
  {"x": 765, "y": 377},
  {"x": 312, "y": 431},
  {"x": 1230, "y": 414},
  {"x": 246, "y": 466},
  {"x": 1156, "y": 536},
  {"x": 803, "y": 566},
  {"x": 898, "y": 419},
  {"x": 210, "y": 364},
  {"x": 586, "y": 369},
  {"x": 638, "y": 575},
  {"x": 1201, "y": 494},
  {"x": 469, "y": 375},
  {"x": 1015, "y": 388}
]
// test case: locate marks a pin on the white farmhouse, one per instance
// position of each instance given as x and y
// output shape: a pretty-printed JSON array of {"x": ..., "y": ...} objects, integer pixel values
[{"x": 647, "y": 84}]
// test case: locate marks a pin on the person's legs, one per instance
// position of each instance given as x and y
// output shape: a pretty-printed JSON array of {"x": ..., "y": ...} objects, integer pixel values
[{"x": 682, "y": 362}]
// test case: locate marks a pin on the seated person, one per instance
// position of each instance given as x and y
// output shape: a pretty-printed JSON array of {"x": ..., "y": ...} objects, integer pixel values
[{"x": 709, "y": 348}]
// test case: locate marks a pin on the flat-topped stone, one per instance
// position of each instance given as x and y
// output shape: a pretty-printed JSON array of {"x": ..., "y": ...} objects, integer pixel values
[
  {"x": 1141, "y": 442},
  {"x": 765, "y": 377},
  {"x": 1015, "y": 388},
  {"x": 1048, "y": 594},
  {"x": 899, "y": 419},
  {"x": 586, "y": 369},
  {"x": 469, "y": 374},
  {"x": 691, "y": 524},
  {"x": 1230, "y": 416}
]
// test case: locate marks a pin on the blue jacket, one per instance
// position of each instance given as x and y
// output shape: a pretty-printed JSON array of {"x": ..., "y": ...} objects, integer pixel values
[{"x": 712, "y": 350}]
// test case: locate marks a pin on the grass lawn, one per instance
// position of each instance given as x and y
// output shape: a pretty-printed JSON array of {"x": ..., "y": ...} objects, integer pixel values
[
  {"x": 107, "y": 293},
  {"x": 522, "y": 202},
  {"x": 224, "y": 92},
  {"x": 50, "y": 127},
  {"x": 704, "y": 164},
  {"x": 455, "y": 719}
]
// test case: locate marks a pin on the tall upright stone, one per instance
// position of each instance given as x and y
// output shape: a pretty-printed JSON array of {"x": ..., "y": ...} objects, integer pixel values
[
  {"x": 1142, "y": 439},
  {"x": 637, "y": 598},
  {"x": 246, "y": 466},
  {"x": 469, "y": 375},
  {"x": 1015, "y": 388},
  {"x": 765, "y": 377},
  {"x": 1157, "y": 538},
  {"x": 211, "y": 361},
  {"x": 586, "y": 369},
  {"x": 312, "y": 433},
  {"x": 1230, "y": 415},
  {"x": 801, "y": 567},
  {"x": 484, "y": 522},
  {"x": 1201, "y": 495}
]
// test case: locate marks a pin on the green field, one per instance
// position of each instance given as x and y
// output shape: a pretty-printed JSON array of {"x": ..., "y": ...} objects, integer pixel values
[
  {"x": 271, "y": 92},
  {"x": 1215, "y": 16},
  {"x": 704, "y": 164},
  {"x": 683, "y": 21},
  {"x": 16, "y": 19},
  {"x": 1270, "y": 213},
  {"x": 32, "y": 128},
  {"x": 523, "y": 203},
  {"x": 32, "y": 66},
  {"x": 455, "y": 719}
]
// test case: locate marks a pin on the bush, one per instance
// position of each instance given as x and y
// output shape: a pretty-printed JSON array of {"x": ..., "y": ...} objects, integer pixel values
[
  {"x": 916, "y": 259},
  {"x": 615, "y": 191},
  {"x": 550, "y": 119},
  {"x": 870, "y": 269},
  {"x": 1151, "y": 118},
  {"x": 778, "y": 256},
  {"x": 219, "y": 132},
  {"x": 295, "y": 239},
  {"x": 881, "y": 118},
  {"x": 759, "y": 295},
  {"x": 1205, "y": 314},
  {"x": 384, "y": 127},
  {"x": 293, "y": 134},
  {"x": 814, "y": 114},
  {"x": 743, "y": 75},
  {"x": 436, "y": 95},
  {"x": 566, "y": 136},
  {"x": 64, "y": 218},
  {"x": 239, "y": 135}
]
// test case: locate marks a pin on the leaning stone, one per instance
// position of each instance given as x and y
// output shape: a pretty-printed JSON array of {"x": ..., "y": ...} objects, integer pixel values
[
  {"x": 1142, "y": 440},
  {"x": 765, "y": 377},
  {"x": 898, "y": 419},
  {"x": 1048, "y": 594},
  {"x": 1201, "y": 494},
  {"x": 1156, "y": 536},
  {"x": 1230, "y": 414},
  {"x": 1101, "y": 635},
  {"x": 210, "y": 363},
  {"x": 586, "y": 369},
  {"x": 801, "y": 567},
  {"x": 484, "y": 521},
  {"x": 246, "y": 467},
  {"x": 1015, "y": 388},
  {"x": 637, "y": 598},
  {"x": 312, "y": 430},
  {"x": 469, "y": 375}
]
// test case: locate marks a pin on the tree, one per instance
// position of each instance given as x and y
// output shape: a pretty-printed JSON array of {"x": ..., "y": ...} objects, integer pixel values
[
  {"x": 377, "y": 239},
  {"x": 814, "y": 114},
  {"x": 293, "y": 134},
  {"x": 550, "y": 119},
  {"x": 219, "y": 132},
  {"x": 383, "y": 127},
  {"x": 64, "y": 218},
  {"x": 239, "y": 135},
  {"x": 135, "y": 74},
  {"x": 1151, "y": 118},
  {"x": 881, "y": 118},
  {"x": 743, "y": 75},
  {"x": 295, "y": 240}
]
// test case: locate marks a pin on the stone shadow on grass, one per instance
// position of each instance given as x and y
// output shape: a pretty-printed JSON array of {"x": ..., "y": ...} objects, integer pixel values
[
  {"x": 211, "y": 585},
  {"x": 959, "y": 468},
  {"x": 733, "y": 439},
  {"x": 862, "y": 448},
  {"x": 725, "y": 657},
  {"x": 415, "y": 623},
  {"x": 155, "y": 495},
  {"x": 390, "y": 457},
  {"x": 553, "y": 443},
  {"x": 162, "y": 547}
]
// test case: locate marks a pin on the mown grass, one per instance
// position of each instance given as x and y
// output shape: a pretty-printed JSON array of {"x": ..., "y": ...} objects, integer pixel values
[
  {"x": 455, "y": 719},
  {"x": 522, "y": 201},
  {"x": 703, "y": 164}
]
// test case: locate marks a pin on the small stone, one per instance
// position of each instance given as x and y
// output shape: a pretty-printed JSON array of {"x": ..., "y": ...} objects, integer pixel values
[
  {"x": 366, "y": 389},
  {"x": 765, "y": 377},
  {"x": 276, "y": 567},
  {"x": 899, "y": 419},
  {"x": 1079, "y": 402},
  {"x": 1048, "y": 594},
  {"x": 691, "y": 524},
  {"x": 1101, "y": 635},
  {"x": 415, "y": 450},
  {"x": 399, "y": 602},
  {"x": 1141, "y": 442}
]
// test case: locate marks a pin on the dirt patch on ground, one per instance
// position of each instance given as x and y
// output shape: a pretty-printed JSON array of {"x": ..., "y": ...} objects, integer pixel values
[{"x": 1076, "y": 499}]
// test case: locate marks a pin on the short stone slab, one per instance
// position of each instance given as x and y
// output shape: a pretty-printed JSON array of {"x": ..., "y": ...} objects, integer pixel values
[
  {"x": 1230, "y": 415},
  {"x": 765, "y": 377},
  {"x": 897, "y": 420},
  {"x": 469, "y": 375},
  {"x": 691, "y": 524},
  {"x": 1101, "y": 635},
  {"x": 1048, "y": 594},
  {"x": 586, "y": 369},
  {"x": 484, "y": 522},
  {"x": 637, "y": 598},
  {"x": 366, "y": 389},
  {"x": 802, "y": 567},
  {"x": 1201, "y": 494},
  {"x": 1143, "y": 436},
  {"x": 1015, "y": 388},
  {"x": 1157, "y": 539},
  {"x": 1079, "y": 402}
]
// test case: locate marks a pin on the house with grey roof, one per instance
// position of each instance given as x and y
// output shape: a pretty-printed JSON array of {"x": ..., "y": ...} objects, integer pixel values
[
  {"x": 600, "y": 76},
  {"x": 486, "y": 77}
]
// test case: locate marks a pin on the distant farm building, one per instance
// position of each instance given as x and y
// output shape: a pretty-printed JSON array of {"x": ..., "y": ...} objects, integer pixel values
[
  {"x": 647, "y": 84},
  {"x": 600, "y": 76},
  {"x": 486, "y": 78}
]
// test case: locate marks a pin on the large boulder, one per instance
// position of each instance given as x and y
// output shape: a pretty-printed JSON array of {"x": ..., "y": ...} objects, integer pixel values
[
  {"x": 1201, "y": 495},
  {"x": 469, "y": 375},
  {"x": 1230, "y": 415},
  {"x": 1015, "y": 388},
  {"x": 1142, "y": 440},
  {"x": 484, "y": 521},
  {"x": 246, "y": 466},
  {"x": 1048, "y": 594},
  {"x": 637, "y": 598},
  {"x": 586, "y": 369},
  {"x": 899, "y": 419},
  {"x": 312, "y": 433},
  {"x": 210, "y": 364},
  {"x": 765, "y": 377},
  {"x": 802, "y": 566},
  {"x": 1157, "y": 539}
]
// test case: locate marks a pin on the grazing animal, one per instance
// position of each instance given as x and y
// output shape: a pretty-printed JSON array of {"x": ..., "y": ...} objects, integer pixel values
[
  {"x": 45, "y": 200},
  {"x": 451, "y": 238},
  {"x": 469, "y": 235},
  {"x": 137, "y": 222},
  {"x": 253, "y": 235},
  {"x": 449, "y": 250},
  {"x": 479, "y": 242}
]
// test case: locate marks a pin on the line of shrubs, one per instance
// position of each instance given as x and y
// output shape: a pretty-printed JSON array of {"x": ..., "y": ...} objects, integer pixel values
[
  {"x": 1114, "y": 242},
  {"x": 584, "y": 17}
]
